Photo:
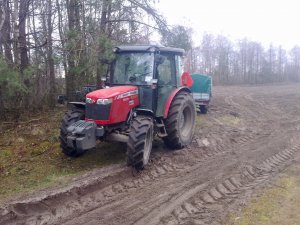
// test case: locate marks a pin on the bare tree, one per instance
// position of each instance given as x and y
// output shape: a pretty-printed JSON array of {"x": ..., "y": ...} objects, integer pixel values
[
  {"x": 50, "y": 53},
  {"x": 23, "y": 12}
]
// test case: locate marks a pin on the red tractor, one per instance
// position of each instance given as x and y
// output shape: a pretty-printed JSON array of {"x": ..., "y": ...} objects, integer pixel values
[{"x": 145, "y": 98}]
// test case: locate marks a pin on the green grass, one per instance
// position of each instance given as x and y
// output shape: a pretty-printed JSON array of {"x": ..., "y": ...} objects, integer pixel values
[
  {"x": 31, "y": 158},
  {"x": 199, "y": 119},
  {"x": 231, "y": 120},
  {"x": 277, "y": 205}
]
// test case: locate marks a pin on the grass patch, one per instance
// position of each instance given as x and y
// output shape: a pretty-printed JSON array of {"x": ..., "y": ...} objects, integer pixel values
[
  {"x": 276, "y": 206},
  {"x": 31, "y": 158},
  {"x": 199, "y": 120},
  {"x": 231, "y": 120}
]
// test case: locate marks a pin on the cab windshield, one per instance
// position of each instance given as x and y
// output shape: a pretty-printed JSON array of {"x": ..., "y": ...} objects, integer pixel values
[{"x": 133, "y": 68}]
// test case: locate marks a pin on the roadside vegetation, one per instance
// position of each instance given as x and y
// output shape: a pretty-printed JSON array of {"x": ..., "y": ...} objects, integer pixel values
[
  {"x": 31, "y": 158},
  {"x": 276, "y": 205}
]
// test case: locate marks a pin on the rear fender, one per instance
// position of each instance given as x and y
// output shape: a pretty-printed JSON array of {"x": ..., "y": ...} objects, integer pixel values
[
  {"x": 171, "y": 97},
  {"x": 80, "y": 105}
]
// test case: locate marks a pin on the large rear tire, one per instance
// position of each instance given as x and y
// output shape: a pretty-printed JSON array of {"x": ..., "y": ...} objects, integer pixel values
[
  {"x": 180, "y": 123},
  {"x": 139, "y": 145},
  {"x": 69, "y": 118}
]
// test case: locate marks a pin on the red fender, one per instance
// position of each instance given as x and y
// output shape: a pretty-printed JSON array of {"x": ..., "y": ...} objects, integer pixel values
[
  {"x": 171, "y": 97},
  {"x": 186, "y": 79}
]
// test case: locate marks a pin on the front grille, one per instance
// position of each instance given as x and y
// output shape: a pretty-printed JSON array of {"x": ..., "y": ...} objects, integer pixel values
[{"x": 97, "y": 112}]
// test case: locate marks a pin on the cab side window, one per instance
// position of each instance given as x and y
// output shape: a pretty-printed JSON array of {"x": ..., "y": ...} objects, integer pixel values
[
  {"x": 179, "y": 68},
  {"x": 165, "y": 71}
]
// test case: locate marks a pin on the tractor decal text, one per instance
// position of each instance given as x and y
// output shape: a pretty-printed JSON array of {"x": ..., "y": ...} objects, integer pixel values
[{"x": 127, "y": 94}]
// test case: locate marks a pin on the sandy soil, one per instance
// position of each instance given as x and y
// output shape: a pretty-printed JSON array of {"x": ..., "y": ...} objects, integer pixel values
[{"x": 248, "y": 137}]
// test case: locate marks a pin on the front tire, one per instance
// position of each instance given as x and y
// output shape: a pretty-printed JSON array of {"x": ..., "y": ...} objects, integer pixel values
[
  {"x": 69, "y": 118},
  {"x": 139, "y": 145},
  {"x": 180, "y": 123}
]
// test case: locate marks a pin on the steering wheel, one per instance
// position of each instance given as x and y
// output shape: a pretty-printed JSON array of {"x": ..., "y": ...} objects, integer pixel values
[{"x": 134, "y": 77}]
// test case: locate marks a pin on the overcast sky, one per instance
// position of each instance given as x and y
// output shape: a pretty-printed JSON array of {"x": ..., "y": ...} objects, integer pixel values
[{"x": 265, "y": 21}]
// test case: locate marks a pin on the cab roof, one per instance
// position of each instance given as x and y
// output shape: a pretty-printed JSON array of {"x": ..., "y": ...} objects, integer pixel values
[{"x": 150, "y": 48}]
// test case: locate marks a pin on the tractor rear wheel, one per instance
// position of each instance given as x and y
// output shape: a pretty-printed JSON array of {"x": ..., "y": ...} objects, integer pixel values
[
  {"x": 180, "y": 123},
  {"x": 69, "y": 118},
  {"x": 140, "y": 142}
]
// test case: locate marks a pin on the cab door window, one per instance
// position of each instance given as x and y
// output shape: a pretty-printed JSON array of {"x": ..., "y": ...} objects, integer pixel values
[{"x": 166, "y": 71}]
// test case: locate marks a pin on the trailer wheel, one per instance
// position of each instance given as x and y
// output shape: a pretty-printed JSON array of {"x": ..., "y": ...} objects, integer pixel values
[
  {"x": 69, "y": 118},
  {"x": 203, "y": 109},
  {"x": 180, "y": 123},
  {"x": 139, "y": 145}
]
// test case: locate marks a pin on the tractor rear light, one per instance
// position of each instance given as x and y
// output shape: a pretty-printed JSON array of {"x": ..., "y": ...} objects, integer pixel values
[
  {"x": 105, "y": 101},
  {"x": 90, "y": 101}
]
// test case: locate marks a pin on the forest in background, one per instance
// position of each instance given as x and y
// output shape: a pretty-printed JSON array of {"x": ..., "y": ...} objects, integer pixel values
[
  {"x": 51, "y": 47},
  {"x": 48, "y": 47},
  {"x": 244, "y": 61}
]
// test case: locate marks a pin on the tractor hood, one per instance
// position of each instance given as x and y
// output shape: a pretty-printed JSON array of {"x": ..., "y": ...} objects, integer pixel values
[
  {"x": 111, "y": 105},
  {"x": 116, "y": 92}
]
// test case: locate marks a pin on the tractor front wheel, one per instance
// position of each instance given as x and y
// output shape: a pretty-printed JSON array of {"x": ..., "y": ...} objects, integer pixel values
[
  {"x": 180, "y": 123},
  {"x": 69, "y": 118},
  {"x": 140, "y": 142}
]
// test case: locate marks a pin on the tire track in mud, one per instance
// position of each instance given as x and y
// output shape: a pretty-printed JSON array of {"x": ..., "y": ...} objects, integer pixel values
[
  {"x": 201, "y": 208},
  {"x": 86, "y": 198},
  {"x": 158, "y": 201},
  {"x": 219, "y": 145},
  {"x": 51, "y": 209},
  {"x": 229, "y": 100},
  {"x": 195, "y": 201},
  {"x": 261, "y": 110},
  {"x": 80, "y": 199},
  {"x": 56, "y": 207}
]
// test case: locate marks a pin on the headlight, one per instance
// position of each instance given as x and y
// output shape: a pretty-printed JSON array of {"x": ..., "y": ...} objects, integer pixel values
[
  {"x": 89, "y": 100},
  {"x": 104, "y": 101}
]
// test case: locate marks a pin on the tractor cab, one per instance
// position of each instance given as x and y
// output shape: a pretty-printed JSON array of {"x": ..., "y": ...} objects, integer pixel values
[
  {"x": 145, "y": 97},
  {"x": 156, "y": 71}
]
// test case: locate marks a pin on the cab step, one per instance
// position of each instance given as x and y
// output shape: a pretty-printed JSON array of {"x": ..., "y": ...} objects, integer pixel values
[{"x": 161, "y": 128}]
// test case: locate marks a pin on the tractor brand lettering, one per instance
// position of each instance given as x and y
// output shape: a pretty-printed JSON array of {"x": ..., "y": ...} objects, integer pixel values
[
  {"x": 134, "y": 96},
  {"x": 128, "y": 94},
  {"x": 131, "y": 102}
]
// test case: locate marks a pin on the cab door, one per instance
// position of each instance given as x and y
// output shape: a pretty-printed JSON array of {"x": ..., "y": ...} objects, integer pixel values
[{"x": 167, "y": 82}]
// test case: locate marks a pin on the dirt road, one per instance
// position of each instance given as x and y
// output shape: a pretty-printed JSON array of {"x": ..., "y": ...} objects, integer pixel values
[{"x": 249, "y": 135}]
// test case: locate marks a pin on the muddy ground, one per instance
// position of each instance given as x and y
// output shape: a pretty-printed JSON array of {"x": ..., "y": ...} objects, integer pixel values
[{"x": 248, "y": 137}]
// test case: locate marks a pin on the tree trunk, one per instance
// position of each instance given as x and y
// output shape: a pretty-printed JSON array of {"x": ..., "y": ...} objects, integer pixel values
[
  {"x": 24, "y": 60},
  {"x": 71, "y": 76},
  {"x": 6, "y": 33},
  {"x": 50, "y": 55},
  {"x": 61, "y": 35},
  {"x": 103, "y": 22},
  {"x": 15, "y": 32},
  {"x": 2, "y": 19}
]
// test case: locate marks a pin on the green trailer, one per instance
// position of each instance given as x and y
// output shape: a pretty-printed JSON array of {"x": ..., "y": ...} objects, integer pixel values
[{"x": 202, "y": 91}]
